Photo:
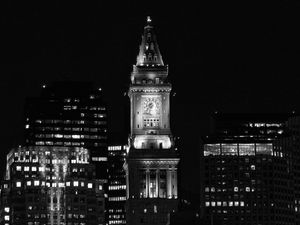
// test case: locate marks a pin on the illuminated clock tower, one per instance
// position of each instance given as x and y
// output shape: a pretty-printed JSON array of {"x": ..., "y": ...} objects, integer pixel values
[{"x": 151, "y": 164}]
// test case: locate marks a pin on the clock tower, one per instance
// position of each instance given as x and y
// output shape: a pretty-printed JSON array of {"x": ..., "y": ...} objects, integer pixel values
[{"x": 151, "y": 164}]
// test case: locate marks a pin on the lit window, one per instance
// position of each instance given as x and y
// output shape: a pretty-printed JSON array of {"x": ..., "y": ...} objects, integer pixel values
[
  {"x": 211, "y": 149},
  {"x": 90, "y": 185},
  {"x": 246, "y": 149},
  {"x": 213, "y": 203},
  {"x": 18, "y": 184},
  {"x": 36, "y": 183},
  {"x": 75, "y": 136},
  {"x": 26, "y": 168},
  {"x": 100, "y": 187},
  {"x": 75, "y": 183},
  {"x": 68, "y": 184},
  {"x": 207, "y": 203},
  {"x": 229, "y": 149},
  {"x": 33, "y": 168},
  {"x": 28, "y": 183},
  {"x": 18, "y": 168},
  {"x": 6, "y": 209},
  {"x": 6, "y": 218},
  {"x": 265, "y": 149},
  {"x": 99, "y": 159},
  {"x": 58, "y": 135}
]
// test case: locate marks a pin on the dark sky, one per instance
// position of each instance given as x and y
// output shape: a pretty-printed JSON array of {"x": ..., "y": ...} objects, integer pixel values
[{"x": 230, "y": 57}]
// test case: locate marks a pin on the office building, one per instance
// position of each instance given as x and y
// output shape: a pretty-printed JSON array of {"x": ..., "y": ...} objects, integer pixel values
[
  {"x": 116, "y": 183},
  {"x": 51, "y": 185},
  {"x": 245, "y": 180},
  {"x": 69, "y": 114}
]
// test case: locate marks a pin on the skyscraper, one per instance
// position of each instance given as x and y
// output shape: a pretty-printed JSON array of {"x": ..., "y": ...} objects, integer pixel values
[
  {"x": 151, "y": 164},
  {"x": 116, "y": 183},
  {"x": 245, "y": 179},
  {"x": 51, "y": 185},
  {"x": 287, "y": 147},
  {"x": 68, "y": 114}
]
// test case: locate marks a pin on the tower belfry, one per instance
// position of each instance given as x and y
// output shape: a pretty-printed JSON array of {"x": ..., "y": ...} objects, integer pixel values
[{"x": 151, "y": 164}]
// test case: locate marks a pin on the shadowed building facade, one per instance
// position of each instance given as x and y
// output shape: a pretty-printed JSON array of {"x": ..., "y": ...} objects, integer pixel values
[
  {"x": 51, "y": 185},
  {"x": 288, "y": 147},
  {"x": 69, "y": 114},
  {"x": 151, "y": 164},
  {"x": 246, "y": 179},
  {"x": 116, "y": 183}
]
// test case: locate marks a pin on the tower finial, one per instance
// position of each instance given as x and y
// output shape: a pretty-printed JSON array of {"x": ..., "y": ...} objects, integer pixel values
[{"x": 149, "y": 19}]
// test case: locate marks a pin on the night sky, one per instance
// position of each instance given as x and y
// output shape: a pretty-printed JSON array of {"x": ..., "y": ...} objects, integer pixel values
[{"x": 229, "y": 57}]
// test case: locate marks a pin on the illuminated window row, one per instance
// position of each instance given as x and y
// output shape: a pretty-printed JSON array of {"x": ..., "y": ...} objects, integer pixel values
[
  {"x": 116, "y": 199},
  {"x": 117, "y": 222},
  {"x": 238, "y": 149},
  {"x": 265, "y": 125},
  {"x": 116, "y": 210},
  {"x": 115, "y": 148},
  {"x": 116, "y": 216},
  {"x": 89, "y": 185},
  {"x": 77, "y": 216},
  {"x": 99, "y": 159},
  {"x": 117, "y": 187},
  {"x": 68, "y": 136},
  {"x": 32, "y": 168},
  {"x": 51, "y": 161},
  {"x": 72, "y": 121},
  {"x": 225, "y": 203},
  {"x": 67, "y": 143},
  {"x": 235, "y": 189}
]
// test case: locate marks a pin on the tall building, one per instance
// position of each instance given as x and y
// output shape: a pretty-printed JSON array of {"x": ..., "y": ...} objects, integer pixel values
[
  {"x": 287, "y": 147},
  {"x": 116, "y": 183},
  {"x": 70, "y": 114},
  {"x": 151, "y": 163},
  {"x": 245, "y": 180},
  {"x": 51, "y": 185}
]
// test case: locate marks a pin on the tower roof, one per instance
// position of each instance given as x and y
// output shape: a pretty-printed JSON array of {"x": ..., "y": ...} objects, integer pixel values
[{"x": 149, "y": 53}]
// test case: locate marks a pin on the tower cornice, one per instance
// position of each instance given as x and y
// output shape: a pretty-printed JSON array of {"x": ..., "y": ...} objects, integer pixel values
[{"x": 150, "y": 88}]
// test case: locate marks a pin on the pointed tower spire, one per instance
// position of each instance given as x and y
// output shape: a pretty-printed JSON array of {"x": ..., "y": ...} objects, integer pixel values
[{"x": 149, "y": 53}]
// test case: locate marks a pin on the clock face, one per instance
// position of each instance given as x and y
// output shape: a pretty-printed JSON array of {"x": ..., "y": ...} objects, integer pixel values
[{"x": 151, "y": 106}]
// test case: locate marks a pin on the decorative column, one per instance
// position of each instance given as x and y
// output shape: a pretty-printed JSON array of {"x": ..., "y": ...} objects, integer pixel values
[
  {"x": 157, "y": 184},
  {"x": 147, "y": 182},
  {"x": 175, "y": 191},
  {"x": 169, "y": 184}
]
